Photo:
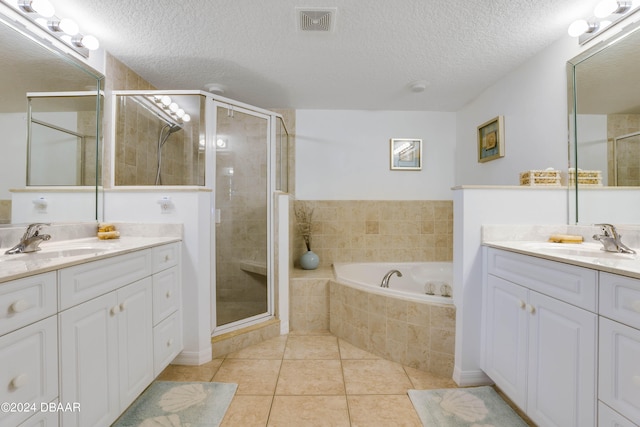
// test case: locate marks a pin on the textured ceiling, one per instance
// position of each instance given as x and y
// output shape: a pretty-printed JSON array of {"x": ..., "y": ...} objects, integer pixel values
[{"x": 252, "y": 47}]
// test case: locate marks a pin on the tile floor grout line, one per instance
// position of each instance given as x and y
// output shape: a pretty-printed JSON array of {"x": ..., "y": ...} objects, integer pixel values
[{"x": 273, "y": 396}]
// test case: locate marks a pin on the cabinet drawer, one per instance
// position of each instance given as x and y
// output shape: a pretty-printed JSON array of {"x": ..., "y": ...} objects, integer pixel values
[
  {"x": 27, "y": 300},
  {"x": 619, "y": 370},
  {"x": 166, "y": 293},
  {"x": 167, "y": 342},
  {"x": 43, "y": 419},
  {"x": 607, "y": 417},
  {"x": 29, "y": 373},
  {"x": 569, "y": 283},
  {"x": 620, "y": 299},
  {"x": 85, "y": 281},
  {"x": 165, "y": 256}
]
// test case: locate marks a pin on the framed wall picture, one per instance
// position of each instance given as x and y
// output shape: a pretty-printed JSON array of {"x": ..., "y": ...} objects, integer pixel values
[
  {"x": 491, "y": 140},
  {"x": 406, "y": 154}
]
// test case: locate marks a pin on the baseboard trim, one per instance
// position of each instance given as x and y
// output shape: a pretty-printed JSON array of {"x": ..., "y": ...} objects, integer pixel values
[
  {"x": 470, "y": 378},
  {"x": 193, "y": 357}
]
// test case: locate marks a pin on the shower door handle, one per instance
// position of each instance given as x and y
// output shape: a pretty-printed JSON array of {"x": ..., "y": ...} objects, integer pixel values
[{"x": 217, "y": 216}]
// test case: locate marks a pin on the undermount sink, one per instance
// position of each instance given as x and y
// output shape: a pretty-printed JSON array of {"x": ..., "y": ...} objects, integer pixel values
[
  {"x": 60, "y": 250},
  {"x": 591, "y": 250}
]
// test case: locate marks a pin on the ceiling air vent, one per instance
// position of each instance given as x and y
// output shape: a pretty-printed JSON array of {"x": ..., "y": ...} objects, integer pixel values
[{"x": 320, "y": 19}]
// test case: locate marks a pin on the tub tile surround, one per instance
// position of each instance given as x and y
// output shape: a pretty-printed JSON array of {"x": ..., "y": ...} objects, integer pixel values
[
  {"x": 378, "y": 231},
  {"x": 415, "y": 334}
]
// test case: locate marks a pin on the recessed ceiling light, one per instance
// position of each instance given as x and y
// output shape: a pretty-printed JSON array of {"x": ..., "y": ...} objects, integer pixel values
[
  {"x": 418, "y": 86},
  {"x": 215, "y": 88}
]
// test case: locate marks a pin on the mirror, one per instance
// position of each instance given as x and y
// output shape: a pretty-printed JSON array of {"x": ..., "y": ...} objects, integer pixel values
[
  {"x": 604, "y": 104},
  {"x": 29, "y": 66}
]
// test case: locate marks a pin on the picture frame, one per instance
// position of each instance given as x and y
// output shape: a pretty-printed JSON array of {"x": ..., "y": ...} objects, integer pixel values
[
  {"x": 491, "y": 140},
  {"x": 406, "y": 154}
]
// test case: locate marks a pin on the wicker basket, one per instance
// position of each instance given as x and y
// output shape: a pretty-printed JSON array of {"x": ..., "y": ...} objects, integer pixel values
[
  {"x": 585, "y": 177},
  {"x": 540, "y": 177}
]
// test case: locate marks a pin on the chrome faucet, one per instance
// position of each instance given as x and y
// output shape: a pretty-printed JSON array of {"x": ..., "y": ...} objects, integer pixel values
[
  {"x": 385, "y": 279},
  {"x": 30, "y": 241},
  {"x": 611, "y": 240}
]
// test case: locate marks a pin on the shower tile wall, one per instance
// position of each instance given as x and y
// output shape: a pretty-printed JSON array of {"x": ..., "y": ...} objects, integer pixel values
[
  {"x": 241, "y": 236},
  {"x": 118, "y": 77},
  {"x": 137, "y": 138},
  {"x": 628, "y": 150},
  {"x": 374, "y": 231}
]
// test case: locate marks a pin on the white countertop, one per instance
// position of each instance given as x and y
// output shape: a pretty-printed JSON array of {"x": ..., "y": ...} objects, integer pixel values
[
  {"x": 77, "y": 251},
  {"x": 587, "y": 255}
]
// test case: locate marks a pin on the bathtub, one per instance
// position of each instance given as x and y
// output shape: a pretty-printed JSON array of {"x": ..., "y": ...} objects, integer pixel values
[
  {"x": 400, "y": 323},
  {"x": 420, "y": 281}
]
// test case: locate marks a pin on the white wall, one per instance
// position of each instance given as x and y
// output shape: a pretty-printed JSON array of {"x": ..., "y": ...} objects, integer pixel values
[
  {"x": 344, "y": 155},
  {"x": 533, "y": 101}
]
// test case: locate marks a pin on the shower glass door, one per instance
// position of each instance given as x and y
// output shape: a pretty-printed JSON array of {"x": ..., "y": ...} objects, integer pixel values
[{"x": 242, "y": 216}]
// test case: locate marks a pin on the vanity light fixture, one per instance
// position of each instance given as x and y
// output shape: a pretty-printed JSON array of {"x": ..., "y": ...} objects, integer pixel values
[
  {"x": 65, "y": 25},
  {"x": 89, "y": 41},
  {"x": 609, "y": 7},
  {"x": 606, "y": 13},
  {"x": 170, "y": 108},
  {"x": 582, "y": 26},
  {"x": 41, "y": 7},
  {"x": 42, "y": 13}
]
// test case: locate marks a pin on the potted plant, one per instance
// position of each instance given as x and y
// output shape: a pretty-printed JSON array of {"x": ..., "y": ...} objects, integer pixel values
[{"x": 309, "y": 260}]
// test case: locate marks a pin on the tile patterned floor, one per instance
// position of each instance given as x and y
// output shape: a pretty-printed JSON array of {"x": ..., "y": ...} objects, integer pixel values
[{"x": 312, "y": 380}]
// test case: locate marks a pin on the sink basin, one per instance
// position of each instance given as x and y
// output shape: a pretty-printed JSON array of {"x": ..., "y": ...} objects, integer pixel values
[
  {"x": 590, "y": 250},
  {"x": 52, "y": 253},
  {"x": 63, "y": 249}
]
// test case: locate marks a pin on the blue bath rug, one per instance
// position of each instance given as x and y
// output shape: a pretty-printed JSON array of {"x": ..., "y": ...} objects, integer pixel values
[
  {"x": 193, "y": 404},
  {"x": 463, "y": 407}
]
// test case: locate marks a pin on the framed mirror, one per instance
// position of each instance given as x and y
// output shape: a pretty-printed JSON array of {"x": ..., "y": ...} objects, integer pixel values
[
  {"x": 604, "y": 128},
  {"x": 35, "y": 83}
]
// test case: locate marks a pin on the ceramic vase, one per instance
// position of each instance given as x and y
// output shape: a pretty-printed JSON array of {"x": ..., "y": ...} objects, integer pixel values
[{"x": 309, "y": 261}]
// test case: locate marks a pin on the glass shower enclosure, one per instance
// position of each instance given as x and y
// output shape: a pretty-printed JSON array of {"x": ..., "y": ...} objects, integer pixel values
[
  {"x": 239, "y": 152},
  {"x": 242, "y": 214}
]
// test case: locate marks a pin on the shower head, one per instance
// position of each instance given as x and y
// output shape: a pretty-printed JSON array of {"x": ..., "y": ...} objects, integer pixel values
[{"x": 174, "y": 128}]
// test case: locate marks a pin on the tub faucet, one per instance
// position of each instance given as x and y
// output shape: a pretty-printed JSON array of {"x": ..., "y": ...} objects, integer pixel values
[
  {"x": 385, "y": 279},
  {"x": 611, "y": 240},
  {"x": 30, "y": 241}
]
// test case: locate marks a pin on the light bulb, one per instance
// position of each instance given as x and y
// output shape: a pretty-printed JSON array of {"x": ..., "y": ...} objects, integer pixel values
[
  {"x": 43, "y": 7},
  {"x": 578, "y": 28},
  {"x": 180, "y": 112},
  {"x": 605, "y": 8},
  {"x": 166, "y": 100},
  {"x": 90, "y": 42},
  {"x": 69, "y": 26},
  {"x": 186, "y": 118},
  {"x": 66, "y": 38},
  {"x": 173, "y": 107}
]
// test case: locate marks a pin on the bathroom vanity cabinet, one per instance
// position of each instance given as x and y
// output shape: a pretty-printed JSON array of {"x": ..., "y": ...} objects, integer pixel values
[
  {"x": 93, "y": 335},
  {"x": 538, "y": 348},
  {"x": 562, "y": 340}
]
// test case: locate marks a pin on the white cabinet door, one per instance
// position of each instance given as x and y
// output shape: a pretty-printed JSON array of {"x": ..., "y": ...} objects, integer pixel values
[
  {"x": 562, "y": 363},
  {"x": 28, "y": 369},
  {"x": 620, "y": 368},
  {"x": 505, "y": 350},
  {"x": 135, "y": 339},
  {"x": 89, "y": 362}
]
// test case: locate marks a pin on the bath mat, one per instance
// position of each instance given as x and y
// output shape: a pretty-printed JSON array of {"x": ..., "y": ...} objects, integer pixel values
[
  {"x": 193, "y": 404},
  {"x": 463, "y": 407}
]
